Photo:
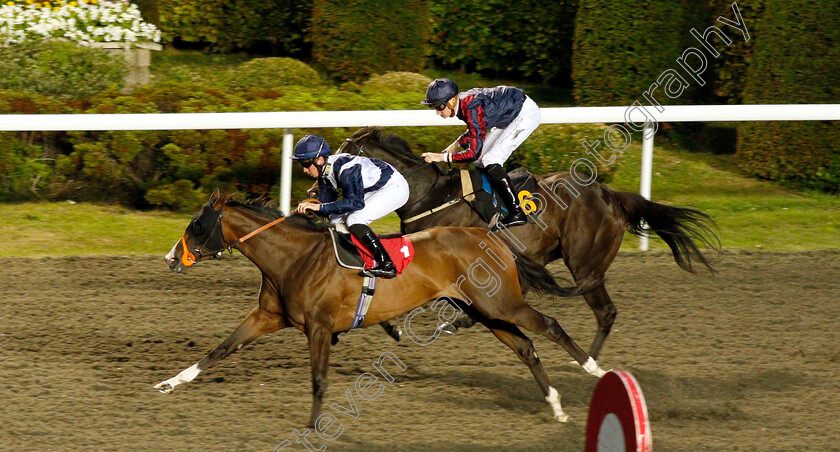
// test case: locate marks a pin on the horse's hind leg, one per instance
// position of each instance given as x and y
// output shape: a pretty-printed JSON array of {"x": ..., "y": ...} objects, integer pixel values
[
  {"x": 531, "y": 319},
  {"x": 395, "y": 331},
  {"x": 511, "y": 336},
  {"x": 604, "y": 309},
  {"x": 258, "y": 322}
]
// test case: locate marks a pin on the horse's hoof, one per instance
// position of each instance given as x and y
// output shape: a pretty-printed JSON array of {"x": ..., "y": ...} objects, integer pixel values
[
  {"x": 397, "y": 333},
  {"x": 562, "y": 418},
  {"x": 164, "y": 387},
  {"x": 448, "y": 328}
]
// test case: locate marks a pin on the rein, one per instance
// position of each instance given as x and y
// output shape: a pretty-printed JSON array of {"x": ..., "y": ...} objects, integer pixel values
[
  {"x": 360, "y": 151},
  {"x": 436, "y": 209},
  {"x": 189, "y": 258}
]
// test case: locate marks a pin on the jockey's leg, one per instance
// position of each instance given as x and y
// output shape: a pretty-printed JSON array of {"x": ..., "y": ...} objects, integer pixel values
[
  {"x": 504, "y": 187},
  {"x": 499, "y": 145},
  {"x": 385, "y": 267},
  {"x": 379, "y": 203}
]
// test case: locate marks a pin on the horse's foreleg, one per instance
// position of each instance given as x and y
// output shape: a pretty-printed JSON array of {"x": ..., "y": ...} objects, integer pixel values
[
  {"x": 511, "y": 336},
  {"x": 258, "y": 322},
  {"x": 601, "y": 304},
  {"x": 319, "y": 355}
]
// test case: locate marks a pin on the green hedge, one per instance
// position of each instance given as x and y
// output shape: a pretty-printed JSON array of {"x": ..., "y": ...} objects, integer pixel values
[
  {"x": 796, "y": 60},
  {"x": 731, "y": 67},
  {"x": 621, "y": 47},
  {"x": 177, "y": 169},
  {"x": 244, "y": 24},
  {"x": 364, "y": 37},
  {"x": 60, "y": 69},
  {"x": 273, "y": 72},
  {"x": 24, "y": 172},
  {"x": 529, "y": 38}
]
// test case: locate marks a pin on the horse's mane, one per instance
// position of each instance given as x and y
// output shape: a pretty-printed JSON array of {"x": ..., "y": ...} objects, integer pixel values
[
  {"x": 386, "y": 140},
  {"x": 267, "y": 207}
]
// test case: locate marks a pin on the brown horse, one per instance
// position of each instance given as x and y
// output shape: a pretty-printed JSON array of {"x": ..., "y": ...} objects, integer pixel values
[
  {"x": 582, "y": 222},
  {"x": 304, "y": 287}
]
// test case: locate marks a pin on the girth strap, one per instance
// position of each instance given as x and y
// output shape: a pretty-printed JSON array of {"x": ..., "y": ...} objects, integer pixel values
[{"x": 368, "y": 289}]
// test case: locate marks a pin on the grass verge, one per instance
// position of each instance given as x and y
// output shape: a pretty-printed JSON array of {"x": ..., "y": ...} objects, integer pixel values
[{"x": 751, "y": 214}]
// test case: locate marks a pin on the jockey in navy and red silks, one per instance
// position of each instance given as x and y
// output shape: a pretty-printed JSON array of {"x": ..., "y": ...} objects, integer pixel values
[
  {"x": 370, "y": 189},
  {"x": 498, "y": 120}
]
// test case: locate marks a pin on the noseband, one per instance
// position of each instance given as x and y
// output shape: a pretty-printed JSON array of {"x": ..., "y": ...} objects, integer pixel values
[{"x": 219, "y": 245}]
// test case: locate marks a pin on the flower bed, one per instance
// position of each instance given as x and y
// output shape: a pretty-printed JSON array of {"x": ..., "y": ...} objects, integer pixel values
[{"x": 82, "y": 21}]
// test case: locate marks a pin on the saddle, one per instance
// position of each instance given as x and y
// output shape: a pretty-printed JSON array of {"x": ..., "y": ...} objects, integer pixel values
[
  {"x": 352, "y": 254},
  {"x": 486, "y": 202}
]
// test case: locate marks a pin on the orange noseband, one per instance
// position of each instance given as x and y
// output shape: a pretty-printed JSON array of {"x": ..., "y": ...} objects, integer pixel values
[{"x": 187, "y": 258}]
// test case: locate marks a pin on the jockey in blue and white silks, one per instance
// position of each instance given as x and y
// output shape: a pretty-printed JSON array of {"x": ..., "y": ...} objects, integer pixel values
[
  {"x": 370, "y": 190},
  {"x": 498, "y": 121}
]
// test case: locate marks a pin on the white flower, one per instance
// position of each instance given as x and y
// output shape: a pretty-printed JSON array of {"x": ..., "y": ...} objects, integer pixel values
[{"x": 85, "y": 23}]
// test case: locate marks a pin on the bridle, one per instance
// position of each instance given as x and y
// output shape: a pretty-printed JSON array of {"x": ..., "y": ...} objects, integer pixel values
[{"x": 188, "y": 258}]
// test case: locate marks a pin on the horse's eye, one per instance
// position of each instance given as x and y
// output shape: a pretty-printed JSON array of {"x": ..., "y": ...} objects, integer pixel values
[{"x": 197, "y": 227}]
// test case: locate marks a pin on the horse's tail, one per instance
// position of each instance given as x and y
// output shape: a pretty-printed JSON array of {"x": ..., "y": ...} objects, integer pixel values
[
  {"x": 536, "y": 277},
  {"x": 681, "y": 228}
]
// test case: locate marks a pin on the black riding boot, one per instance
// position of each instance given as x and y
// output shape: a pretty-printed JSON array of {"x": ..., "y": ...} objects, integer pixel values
[
  {"x": 504, "y": 187},
  {"x": 386, "y": 268}
]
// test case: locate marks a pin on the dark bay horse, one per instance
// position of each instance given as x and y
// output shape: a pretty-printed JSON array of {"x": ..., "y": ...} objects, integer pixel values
[
  {"x": 581, "y": 224},
  {"x": 304, "y": 287}
]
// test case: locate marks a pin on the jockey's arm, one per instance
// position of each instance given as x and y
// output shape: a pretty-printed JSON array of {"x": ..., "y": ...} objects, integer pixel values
[
  {"x": 350, "y": 180},
  {"x": 326, "y": 193},
  {"x": 454, "y": 147},
  {"x": 473, "y": 139}
]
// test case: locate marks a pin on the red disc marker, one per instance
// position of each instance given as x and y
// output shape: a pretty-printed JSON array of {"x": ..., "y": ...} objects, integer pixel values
[{"x": 618, "y": 420}]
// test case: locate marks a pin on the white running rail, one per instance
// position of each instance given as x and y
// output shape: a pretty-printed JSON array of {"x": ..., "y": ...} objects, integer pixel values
[{"x": 400, "y": 118}]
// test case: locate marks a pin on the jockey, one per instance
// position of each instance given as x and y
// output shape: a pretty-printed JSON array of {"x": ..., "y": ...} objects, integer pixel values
[
  {"x": 498, "y": 120},
  {"x": 371, "y": 189}
]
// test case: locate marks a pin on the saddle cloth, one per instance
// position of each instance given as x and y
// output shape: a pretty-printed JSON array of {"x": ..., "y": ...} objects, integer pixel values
[
  {"x": 487, "y": 204},
  {"x": 350, "y": 253}
]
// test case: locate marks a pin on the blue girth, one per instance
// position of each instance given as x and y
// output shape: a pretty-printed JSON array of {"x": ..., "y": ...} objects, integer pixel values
[{"x": 368, "y": 288}]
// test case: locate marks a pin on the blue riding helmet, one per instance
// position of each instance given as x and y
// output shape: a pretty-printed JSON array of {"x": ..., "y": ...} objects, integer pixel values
[
  {"x": 440, "y": 91},
  {"x": 310, "y": 147}
]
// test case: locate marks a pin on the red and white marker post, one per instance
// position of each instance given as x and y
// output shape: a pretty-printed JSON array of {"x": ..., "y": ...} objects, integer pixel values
[{"x": 618, "y": 419}]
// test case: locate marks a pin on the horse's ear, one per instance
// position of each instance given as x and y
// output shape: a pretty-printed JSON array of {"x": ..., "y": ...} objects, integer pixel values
[
  {"x": 217, "y": 198},
  {"x": 214, "y": 196}
]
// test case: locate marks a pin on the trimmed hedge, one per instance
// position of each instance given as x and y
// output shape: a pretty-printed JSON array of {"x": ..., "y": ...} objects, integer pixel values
[
  {"x": 60, "y": 69},
  {"x": 244, "y": 24},
  {"x": 406, "y": 82},
  {"x": 177, "y": 169},
  {"x": 731, "y": 67},
  {"x": 529, "y": 38},
  {"x": 621, "y": 47},
  {"x": 796, "y": 60},
  {"x": 352, "y": 41},
  {"x": 273, "y": 72}
]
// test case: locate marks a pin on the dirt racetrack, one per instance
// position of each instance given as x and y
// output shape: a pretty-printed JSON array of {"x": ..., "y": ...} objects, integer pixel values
[{"x": 747, "y": 361}]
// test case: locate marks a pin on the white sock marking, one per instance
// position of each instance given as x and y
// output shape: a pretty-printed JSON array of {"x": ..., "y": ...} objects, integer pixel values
[
  {"x": 187, "y": 375},
  {"x": 553, "y": 399},
  {"x": 593, "y": 368}
]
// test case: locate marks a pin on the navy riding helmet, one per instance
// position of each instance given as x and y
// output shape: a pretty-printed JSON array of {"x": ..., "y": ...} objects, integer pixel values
[
  {"x": 440, "y": 91},
  {"x": 310, "y": 147}
]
